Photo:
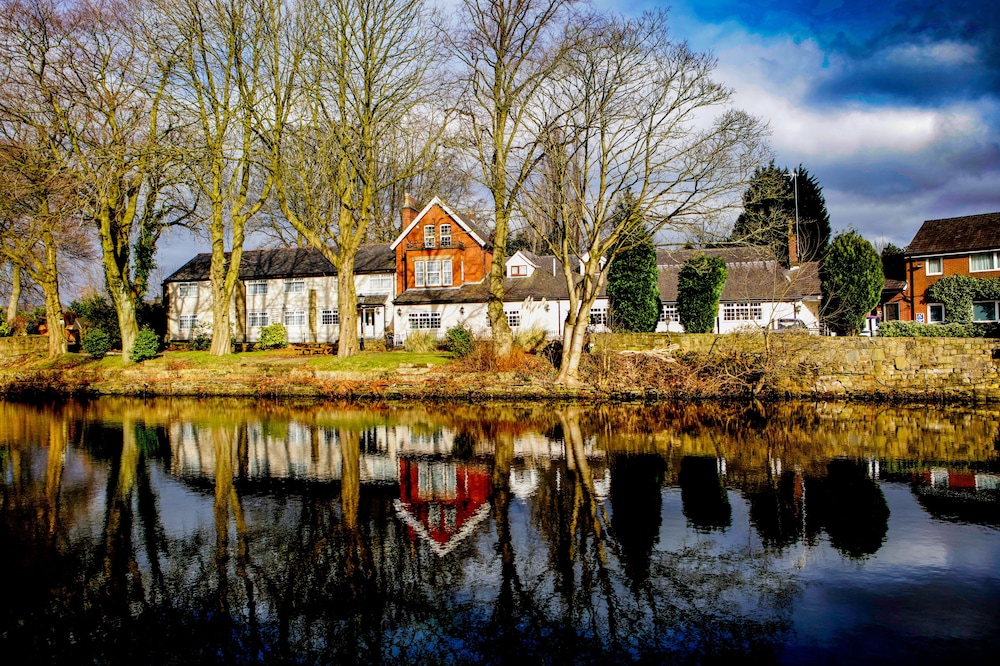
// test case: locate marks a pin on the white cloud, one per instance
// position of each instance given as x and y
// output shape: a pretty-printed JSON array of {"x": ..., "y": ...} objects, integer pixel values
[{"x": 930, "y": 55}]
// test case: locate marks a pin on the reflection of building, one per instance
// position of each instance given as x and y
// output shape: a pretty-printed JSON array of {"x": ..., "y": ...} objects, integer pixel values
[
  {"x": 442, "y": 501},
  {"x": 964, "y": 495}
]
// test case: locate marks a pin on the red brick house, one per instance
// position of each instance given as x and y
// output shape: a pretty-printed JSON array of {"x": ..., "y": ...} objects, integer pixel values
[{"x": 967, "y": 245}]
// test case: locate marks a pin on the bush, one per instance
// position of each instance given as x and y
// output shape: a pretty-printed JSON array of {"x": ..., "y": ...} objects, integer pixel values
[
  {"x": 273, "y": 337},
  {"x": 4, "y": 330},
  {"x": 531, "y": 340},
  {"x": 458, "y": 340},
  {"x": 421, "y": 341},
  {"x": 699, "y": 286},
  {"x": 912, "y": 329},
  {"x": 96, "y": 342},
  {"x": 202, "y": 340},
  {"x": 146, "y": 346}
]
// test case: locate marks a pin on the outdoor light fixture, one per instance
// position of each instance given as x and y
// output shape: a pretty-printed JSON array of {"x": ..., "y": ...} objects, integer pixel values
[
  {"x": 461, "y": 310},
  {"x": 399, "y": 312}
]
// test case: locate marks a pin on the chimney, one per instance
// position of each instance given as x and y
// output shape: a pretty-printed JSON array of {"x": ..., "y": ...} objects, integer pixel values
[
  {"x": 408, "y": 212},
  {"x": 793, "y": 247}
]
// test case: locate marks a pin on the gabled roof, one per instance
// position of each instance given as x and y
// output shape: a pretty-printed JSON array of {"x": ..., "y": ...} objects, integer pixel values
[
  {"x": 289, "y": 262},
  {"x": 540, "y": 284},
  {"x": 471, "y": 228},
  {"x": 733, "y": 255},
  {"x": 957, "y": 234},
  {"x": 753, "y": 281}
]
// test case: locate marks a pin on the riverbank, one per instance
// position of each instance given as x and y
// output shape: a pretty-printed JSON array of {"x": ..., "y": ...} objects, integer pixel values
[{"x": 649, "y": 368}]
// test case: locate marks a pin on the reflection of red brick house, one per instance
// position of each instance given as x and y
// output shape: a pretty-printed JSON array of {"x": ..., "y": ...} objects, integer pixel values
[
  {"x": 967, "y": 245},
  {"x": 442, "y": 501}
]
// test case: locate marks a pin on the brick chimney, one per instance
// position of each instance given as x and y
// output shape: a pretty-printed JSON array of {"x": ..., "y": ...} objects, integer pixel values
[
  {"x": 793, "y": 246},
  {"x": 408, "y": 212}
]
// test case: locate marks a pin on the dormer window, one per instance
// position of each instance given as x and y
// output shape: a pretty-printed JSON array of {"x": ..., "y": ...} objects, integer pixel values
[
  {"x": 429, "y": 236},
  {"x": 445, "y": 235},
  {"x": 519, "y": 270}
]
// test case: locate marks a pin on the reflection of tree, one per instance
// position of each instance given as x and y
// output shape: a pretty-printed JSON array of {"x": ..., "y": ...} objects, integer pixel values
[
  {"x": 636, "y": 505},
  {"x": 850, "y": 506},
  {"x": 703, "y": 494},
  {"x": 776, "y": 509}
]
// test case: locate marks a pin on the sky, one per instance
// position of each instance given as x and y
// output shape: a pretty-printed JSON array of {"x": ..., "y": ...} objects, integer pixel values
[{"x": 893, "y": 106}]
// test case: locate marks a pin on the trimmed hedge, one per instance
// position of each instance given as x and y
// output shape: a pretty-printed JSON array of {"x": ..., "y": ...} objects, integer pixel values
[
  {"x": 146, "y": 346},
  {"x": 912, "y": 329}
]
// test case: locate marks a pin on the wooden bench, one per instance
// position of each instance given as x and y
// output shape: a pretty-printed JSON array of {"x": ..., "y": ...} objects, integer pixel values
[{"x": 314, "y": 348}]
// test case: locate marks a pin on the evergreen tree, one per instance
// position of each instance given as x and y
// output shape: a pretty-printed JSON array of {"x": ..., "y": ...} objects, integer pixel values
[
  {"x": 893, "y": 262},
  {"x": 851, "y": 277},
  {"x": 633, "y": 292},
  {"x": 699, "y": 286},
  {"x": 768, "y": 216}
]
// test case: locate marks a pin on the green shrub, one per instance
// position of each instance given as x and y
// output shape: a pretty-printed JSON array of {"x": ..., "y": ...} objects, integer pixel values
[
  {"x": 96, "y": 342},
  {"x": 202, "y": 340},
  {"x": 4, "y": 329},
  {"x": 145, "y": 347},
  {"x": 421, "y": 341},
  {"x": 459, "y": 341},
  {"x": 699, "y": 286},
  {"x": 273, "y": 337},
  {"x": 912, "y": 329}
]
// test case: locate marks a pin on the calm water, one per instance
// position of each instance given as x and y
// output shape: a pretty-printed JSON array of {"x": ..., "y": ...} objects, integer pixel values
[{"x": 237, "y": 532}]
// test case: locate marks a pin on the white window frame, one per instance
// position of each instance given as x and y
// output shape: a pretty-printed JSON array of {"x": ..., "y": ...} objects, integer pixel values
[
  {"x": 930, "y": 313},
  {"x": 446, "y": 274},
  {"x": 430, "y": 238},
  {"x": 433, "y": 275},
  {"x": 294, "y": 318},
  {"x": 187, "y": 290},
  {"x": 295, "y": 286},
  {"x": 445, "y": 235},
  {"x": 513, "y": 318},
  {"x": 518, "y": 270},
  {"x": 742, "y": 311},
  {"x": 668, "y": 313},
  {"x": 329, "y": 317},
  {"x": 380, "y": 283},
  {"x": 992, "y": 304},
  {"x": 257, "y": 319},
  {"x": 418, "y": 273},
  {"x": 255, "y": 287},
  {"x": 424, "y": 320},
  {"x": 940, "y": 265},
  {"x": 186, "y": 322},
  {"x": 886, "y": 307},
  {"x": 598, "y": 316},
  {"x": 992, "y": 256}
]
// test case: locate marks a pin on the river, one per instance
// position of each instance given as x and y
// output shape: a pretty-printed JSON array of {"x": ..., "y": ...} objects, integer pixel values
[{"x": 233, "y": 532}]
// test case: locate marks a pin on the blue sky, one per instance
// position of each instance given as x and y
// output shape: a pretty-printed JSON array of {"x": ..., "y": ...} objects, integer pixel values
[{"x": 894, "y": 106}]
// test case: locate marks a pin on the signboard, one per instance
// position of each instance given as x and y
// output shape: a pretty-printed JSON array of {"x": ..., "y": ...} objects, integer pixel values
[{"x": 920, "y": 317}]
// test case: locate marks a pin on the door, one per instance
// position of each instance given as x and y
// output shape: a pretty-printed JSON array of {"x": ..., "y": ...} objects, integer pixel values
[{"x": 368, "y": 323}]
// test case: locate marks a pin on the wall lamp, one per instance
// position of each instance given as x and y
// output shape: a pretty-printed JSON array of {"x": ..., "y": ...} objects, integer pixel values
[
  {"x": 461, "y": 310},
  {"x": 399, "y": 312}
]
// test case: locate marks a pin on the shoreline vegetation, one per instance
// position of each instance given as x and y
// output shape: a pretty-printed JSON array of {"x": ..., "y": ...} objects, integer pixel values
[{"x": 618, "y": 368}]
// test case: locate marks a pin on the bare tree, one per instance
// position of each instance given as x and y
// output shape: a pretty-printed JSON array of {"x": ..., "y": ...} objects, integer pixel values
[
  {"x": 631, "y": 111},
  {"x": 508, "y": 49},
  {"x": 357, "y": 118},
  {"x": 217, "y": 88}
]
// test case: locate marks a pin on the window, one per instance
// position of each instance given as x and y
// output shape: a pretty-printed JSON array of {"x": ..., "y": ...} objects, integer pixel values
[
  {"x": 329, "y": 317},
  {"x": 742, "y": 311},
  {"x": 598, "y": 316},
  {"x": 984, "y": 261},
  {"x": 445, "y": 235},
  {"x": 187, "y": 322},
  {"x": 519, "y": 271},
  {"x": 668, "y": 313},
  {"x": 418, "y": 273},
  {"x": 984, "y": 311},
  {"x": 187, "y": 289},
  {"x": 380, "y": 284},
  {"x": 423, "y": 320},
  {"x": 933, "y": 266},
  {"x": 256, "y": 319},
  {"x": 513, "y": 318},
  {"x": 295, "y": 318},
  {"x": 890, "y": 311},
  {"x": 935, "y": 312},
  {"x": 433, "y": 273},
  {"x": 257, "y": 287},
  {"x": 429, "y": 236},
  {"x": 295, "y": 286},
  {"x": 446, "y": 272}
]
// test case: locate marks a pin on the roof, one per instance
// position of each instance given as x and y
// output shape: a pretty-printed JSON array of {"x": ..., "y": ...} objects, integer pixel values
[
  {"x": 957, "y": 234},
  {"x": 758, "y": 281},
  {"x": 732, "y": 255},
  {"x": 473, "y": 229},
  {"x": 541, "y": 284},
  {"x": 289, "y": 262},
  {"x": 893, "y": 286}
]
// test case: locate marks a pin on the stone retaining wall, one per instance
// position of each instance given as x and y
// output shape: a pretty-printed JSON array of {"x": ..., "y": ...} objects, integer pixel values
[
  {"x": 951, "y": 368},
  {"x": 21, "y": 345}
]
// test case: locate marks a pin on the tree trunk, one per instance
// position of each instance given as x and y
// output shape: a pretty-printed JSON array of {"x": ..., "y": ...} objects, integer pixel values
[
  {"x": 127, "y": 321},
  {"x": 347, "y": 305},
  {"x": 53, "y": 308},
  {"x": 15, "y": 294}
]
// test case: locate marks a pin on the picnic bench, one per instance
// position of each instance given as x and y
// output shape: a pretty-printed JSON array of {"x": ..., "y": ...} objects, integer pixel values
[{"x": 314, "y": 348}]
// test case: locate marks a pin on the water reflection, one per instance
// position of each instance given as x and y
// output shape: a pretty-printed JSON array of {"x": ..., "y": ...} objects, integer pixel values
[{"x": 221, "y": 532}]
